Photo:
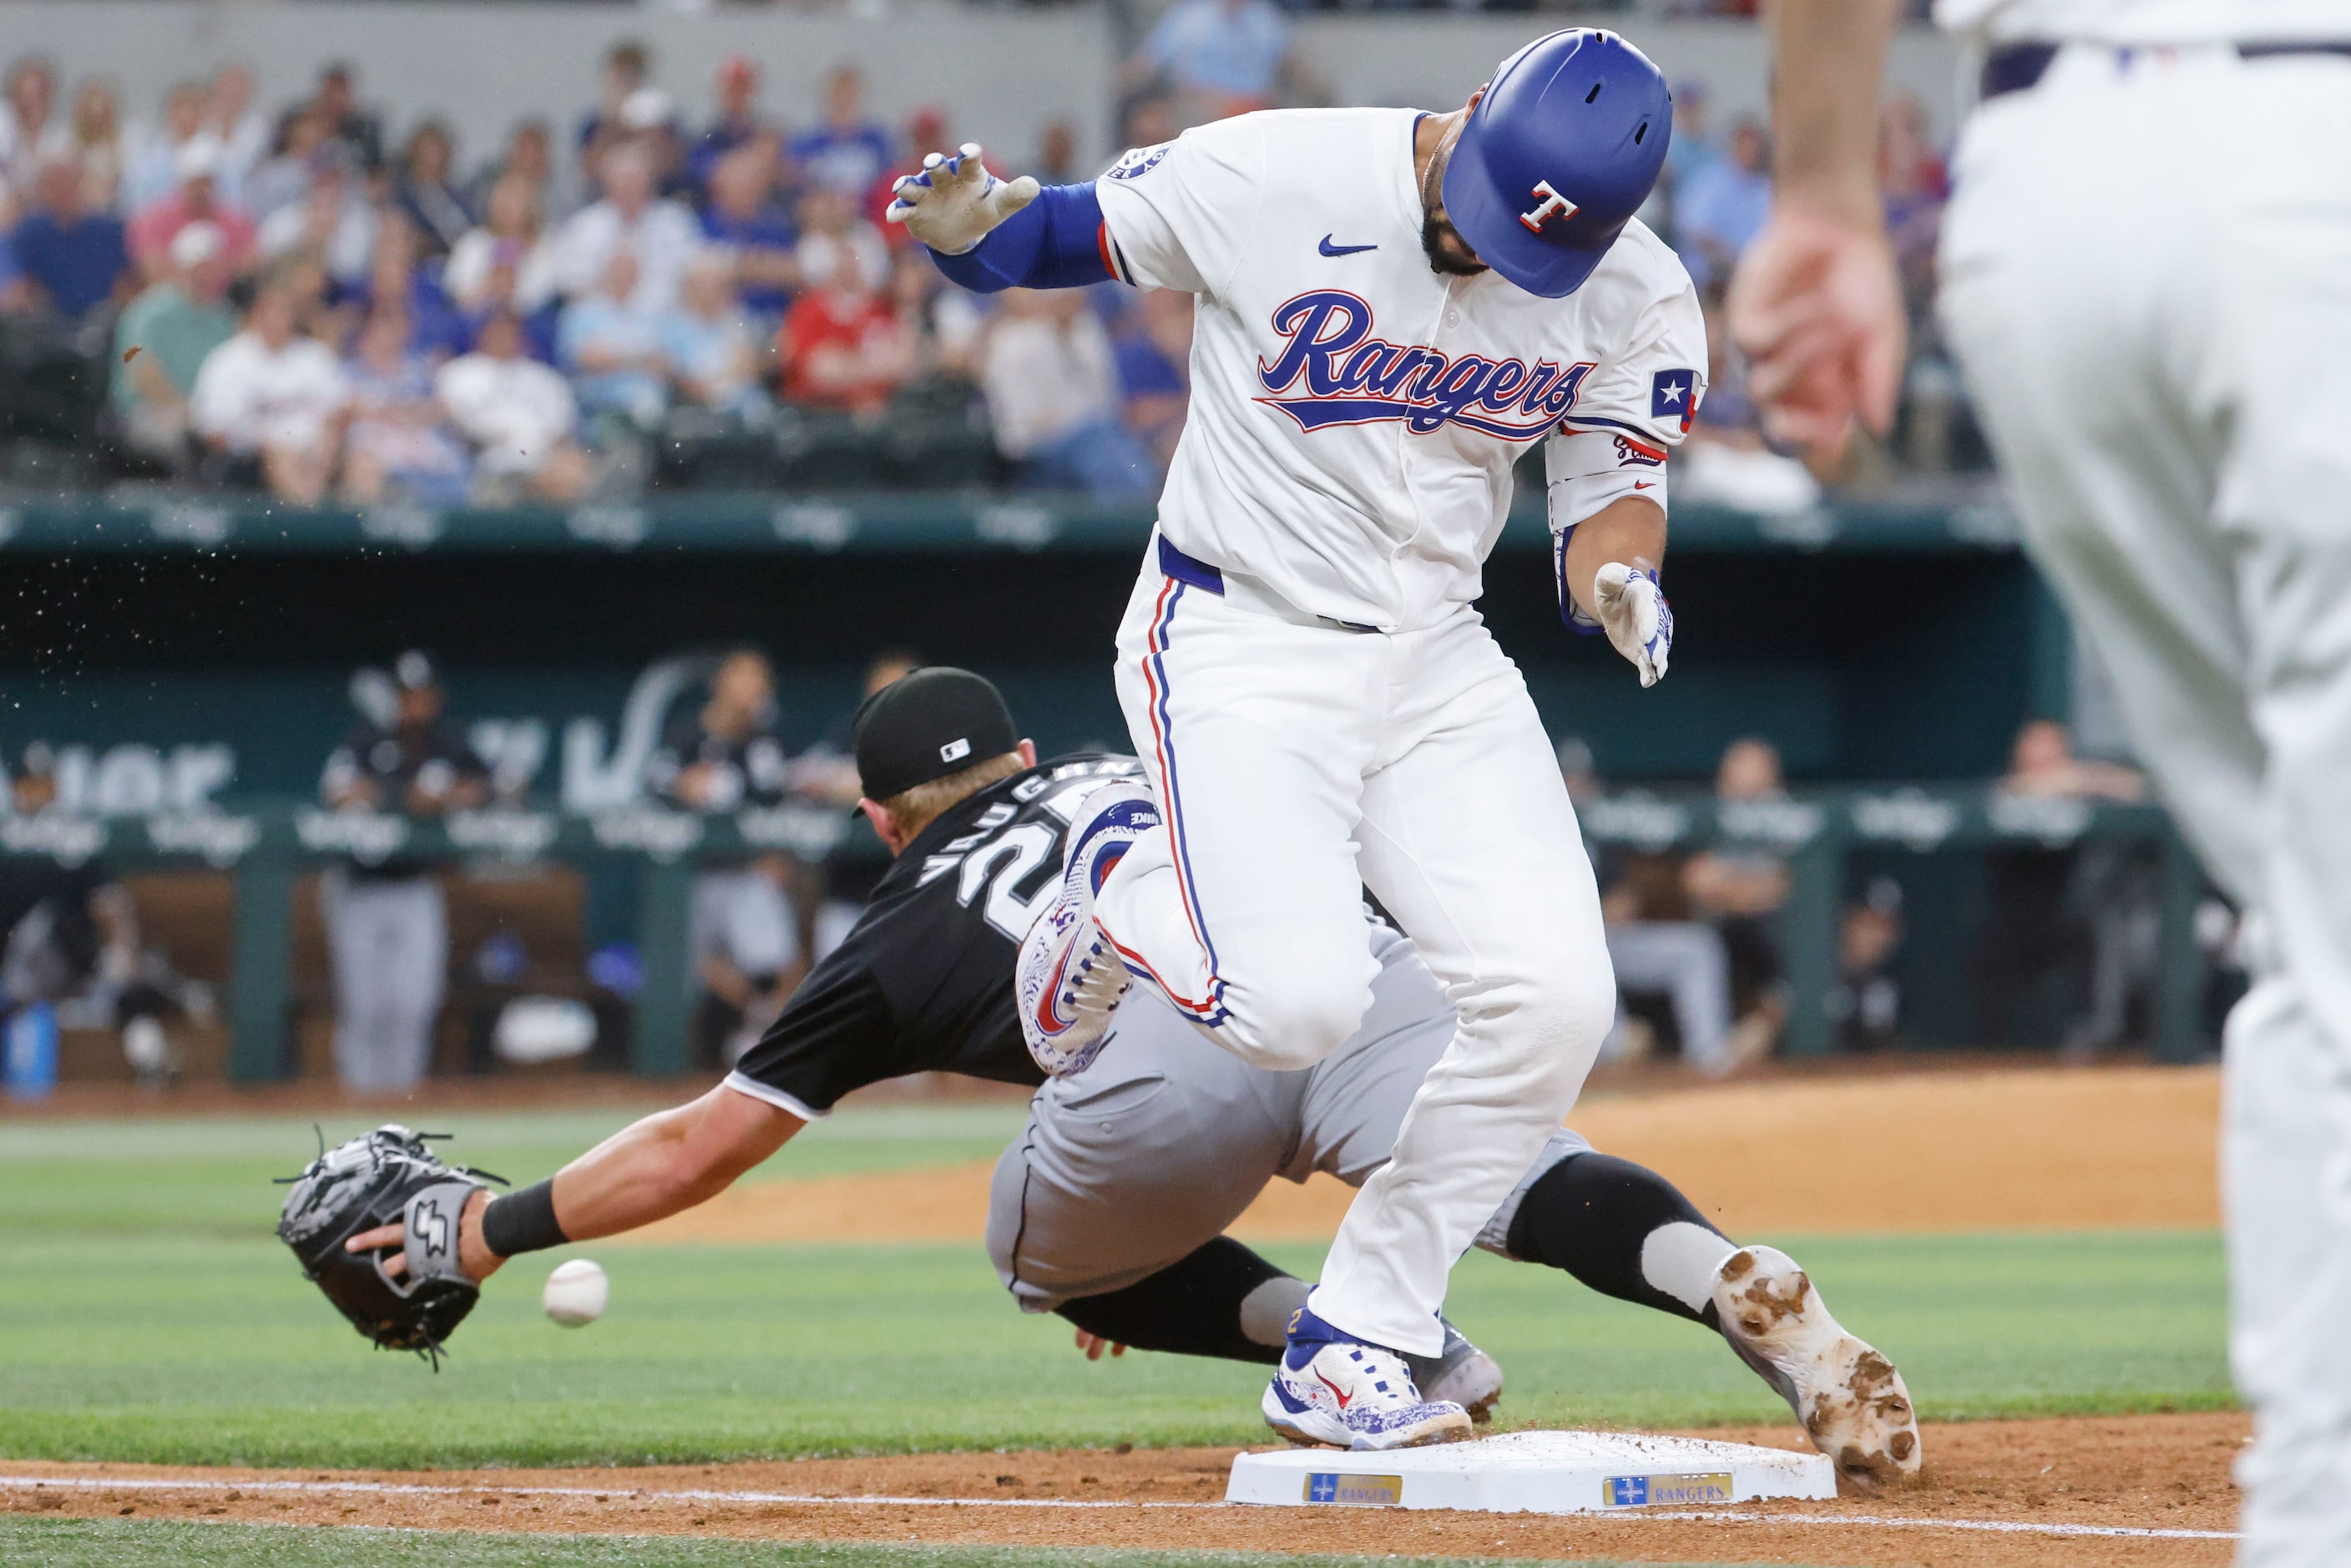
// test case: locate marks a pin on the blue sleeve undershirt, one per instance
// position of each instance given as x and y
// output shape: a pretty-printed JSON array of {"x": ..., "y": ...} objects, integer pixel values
[{"x": 1055, "y": 241}]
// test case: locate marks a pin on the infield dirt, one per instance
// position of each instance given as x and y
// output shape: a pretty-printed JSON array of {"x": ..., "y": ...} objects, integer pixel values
[
  {"x": 2022, "y": 1149},
  {"x": 1910, "y": 1152},
  {"x": 2136, "y": 1473}
]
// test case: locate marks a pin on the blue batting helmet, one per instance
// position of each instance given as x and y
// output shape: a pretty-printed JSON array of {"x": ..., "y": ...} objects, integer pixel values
[{"x": 1562, "y": 149}]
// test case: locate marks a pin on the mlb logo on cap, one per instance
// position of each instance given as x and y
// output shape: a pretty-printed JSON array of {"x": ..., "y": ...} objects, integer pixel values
[{"x": 925, "y": 726}]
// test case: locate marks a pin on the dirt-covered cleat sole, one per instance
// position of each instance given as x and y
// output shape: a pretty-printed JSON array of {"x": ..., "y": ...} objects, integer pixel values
[{"x": 1851, "y": 1400}]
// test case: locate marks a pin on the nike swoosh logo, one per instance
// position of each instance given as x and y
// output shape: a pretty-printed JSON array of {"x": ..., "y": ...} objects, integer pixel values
[
  {"x": 1327, "y": 248},
  {"x": 1643, "y": 485},
  {"x": 1046, "y": 1010},
  {"x": 1344, "y": 1399}
]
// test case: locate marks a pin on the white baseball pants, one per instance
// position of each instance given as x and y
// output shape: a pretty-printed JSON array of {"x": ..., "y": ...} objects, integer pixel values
[
  {"x": 1296, "y": 762},
  {"x": 2147, "y": 273}
]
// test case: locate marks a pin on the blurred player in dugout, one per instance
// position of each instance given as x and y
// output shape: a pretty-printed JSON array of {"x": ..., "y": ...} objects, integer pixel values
[
  {"x": 387, "y": 922},
  {"x": 744, "y": 934}
]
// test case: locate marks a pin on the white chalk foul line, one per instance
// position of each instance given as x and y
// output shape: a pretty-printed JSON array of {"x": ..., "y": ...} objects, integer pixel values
[
  {"x": 412, "y": 1488},
  {"x": 415, "y": 1489},
  {"x": 1991, "y": 1526}
]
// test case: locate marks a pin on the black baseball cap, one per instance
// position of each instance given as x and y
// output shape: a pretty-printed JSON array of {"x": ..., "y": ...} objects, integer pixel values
[{"x": 924, "y": 726}]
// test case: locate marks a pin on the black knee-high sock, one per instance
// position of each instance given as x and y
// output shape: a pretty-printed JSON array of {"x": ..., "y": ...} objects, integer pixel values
[
  {"x": 1590, "y": 1214},
  {"x": 1200, "y": 1305}
]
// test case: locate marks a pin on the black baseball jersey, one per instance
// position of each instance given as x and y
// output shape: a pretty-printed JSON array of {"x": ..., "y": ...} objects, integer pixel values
[
  {"x": 923, "y": 983},
  {"x": 751, "y": 770},
  {"x": 393, "y": 758}
]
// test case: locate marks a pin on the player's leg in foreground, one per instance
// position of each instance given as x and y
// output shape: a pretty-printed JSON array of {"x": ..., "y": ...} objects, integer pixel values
[
  {"x": 1110, "y": 1210},
  {"x": 1223, "y": 1300},
  {"x": 1164, "y": 1141},
  {"x": 1293, "y": 763},
  {"x": 1242, "y": 909},
  {"x": 1240, "y": 906},
  {"x": 1618, "y": 1229},
  {"x": 2168, "y": 402},
  {"x": 1467, "y": 835},
  {"x": 1625, "y": 1231}
]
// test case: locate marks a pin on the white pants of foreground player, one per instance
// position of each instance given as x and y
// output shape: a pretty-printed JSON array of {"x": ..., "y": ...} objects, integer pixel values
[
  {"x": 391, "y": 946},
  {"x": 2147, "y": 273},
  {"x": 1296, "y": 762}
]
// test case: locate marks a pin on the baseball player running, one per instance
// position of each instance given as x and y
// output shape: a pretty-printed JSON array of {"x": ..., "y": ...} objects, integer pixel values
[
  {"x": 1111, "y": 1207},
  {"x": 1391, "y": 306},
  {"x": 2147, "y": 274}
]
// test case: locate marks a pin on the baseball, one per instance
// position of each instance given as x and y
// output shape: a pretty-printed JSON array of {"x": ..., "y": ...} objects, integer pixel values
[{"x": 576, "y": 1293}]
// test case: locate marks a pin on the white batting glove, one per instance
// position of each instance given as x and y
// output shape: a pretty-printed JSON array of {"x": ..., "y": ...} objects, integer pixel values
[
  {"x": 954, "y": 202},
  {"x": 1634, "y": 614}
]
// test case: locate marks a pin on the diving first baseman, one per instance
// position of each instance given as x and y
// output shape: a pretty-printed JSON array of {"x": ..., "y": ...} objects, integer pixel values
[
  {"x": 1392, "y": 307},
  {"x": 2146, "y": 276},
  {"x": 1111, "y": 1207}
]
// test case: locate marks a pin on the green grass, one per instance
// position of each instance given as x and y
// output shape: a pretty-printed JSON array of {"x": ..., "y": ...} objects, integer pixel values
[
  {"x": 148, "y": 1315},
  {"x": 212, "y": 1178},
  {"x": 74, "y": 1544}
]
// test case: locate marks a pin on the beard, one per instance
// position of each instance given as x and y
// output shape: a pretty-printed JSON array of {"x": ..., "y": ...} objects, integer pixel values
[{"x": 1455, "y": 258}]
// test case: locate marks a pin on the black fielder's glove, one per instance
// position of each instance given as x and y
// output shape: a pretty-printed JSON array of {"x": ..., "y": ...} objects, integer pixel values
[{"x": 387, "y": 1177}]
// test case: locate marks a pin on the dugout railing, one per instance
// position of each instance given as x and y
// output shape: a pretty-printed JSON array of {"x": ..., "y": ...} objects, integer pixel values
[
  {"x": 266, "y": 847},
  {"x": 952, "y": 521}
]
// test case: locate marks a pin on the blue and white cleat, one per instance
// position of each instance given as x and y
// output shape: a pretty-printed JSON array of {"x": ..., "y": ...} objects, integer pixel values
[
  {"x": 1336, "y": 1390},
  {"x": 1069, "y": 982}
]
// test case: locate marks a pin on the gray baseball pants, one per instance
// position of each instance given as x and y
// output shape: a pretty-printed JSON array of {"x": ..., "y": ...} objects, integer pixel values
[
  {"x": 1156, "y": 1148},
  {"x": 390, "y": 946}
]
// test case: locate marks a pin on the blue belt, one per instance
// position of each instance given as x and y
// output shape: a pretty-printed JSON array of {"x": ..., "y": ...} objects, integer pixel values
[
  {"x": 2012, "y": 67},
  {"x": 1189, "y": 568},
  {"x": 1192, "y": 570}
]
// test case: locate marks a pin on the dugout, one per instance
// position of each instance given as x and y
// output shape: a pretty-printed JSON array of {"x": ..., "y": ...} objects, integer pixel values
[{"x": 192, "y": 659}]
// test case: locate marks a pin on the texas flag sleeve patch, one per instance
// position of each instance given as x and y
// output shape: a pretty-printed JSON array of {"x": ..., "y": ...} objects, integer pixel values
[{"x": 1673, "y": 394}]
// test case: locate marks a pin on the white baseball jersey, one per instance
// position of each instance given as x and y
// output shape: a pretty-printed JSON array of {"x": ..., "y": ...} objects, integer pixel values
[
  {"x": 2148, "y": 21},
  {"x": 1355, "y": 414}
]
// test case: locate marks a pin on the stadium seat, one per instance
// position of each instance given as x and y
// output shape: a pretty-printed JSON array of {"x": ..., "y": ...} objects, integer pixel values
[
  {"x": 702, "y": 449},
  {"x": 827, "y": 451}
]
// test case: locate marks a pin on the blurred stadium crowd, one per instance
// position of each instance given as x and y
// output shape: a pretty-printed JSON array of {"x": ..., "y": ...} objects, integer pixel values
[
  {"x": 287, "y": 295},
  {"x": 214, "y": 291}
]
